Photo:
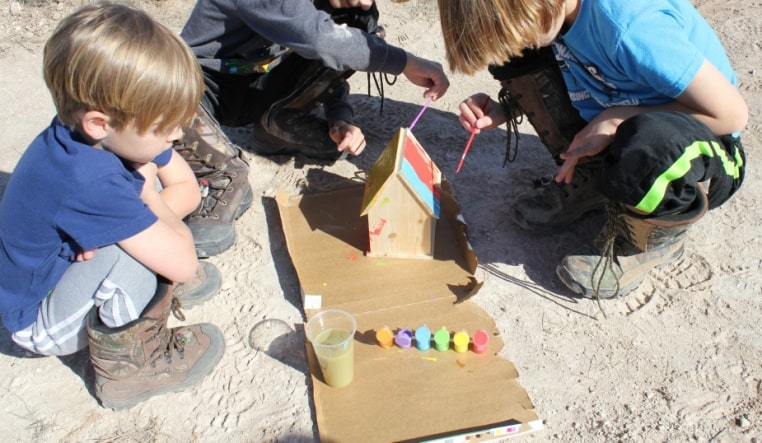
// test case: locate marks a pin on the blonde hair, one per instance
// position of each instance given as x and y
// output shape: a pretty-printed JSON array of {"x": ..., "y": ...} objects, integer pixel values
[
  {"x": 116, "y": 59},
  {"x": 478, "y": 33}
]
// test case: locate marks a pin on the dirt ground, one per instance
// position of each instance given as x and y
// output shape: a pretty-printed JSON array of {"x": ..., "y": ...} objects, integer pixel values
[{"x": 680, "y": 359}]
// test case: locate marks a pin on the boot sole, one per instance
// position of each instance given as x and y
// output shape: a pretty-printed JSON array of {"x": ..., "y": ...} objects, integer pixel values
[
  {"x": 266, "y": 145},
  {"x": 216, "y": 247},
  {"x": 202, "y": 368},
  {"x": 212, "y": 248},
  {"x": 578, "y": 289}
]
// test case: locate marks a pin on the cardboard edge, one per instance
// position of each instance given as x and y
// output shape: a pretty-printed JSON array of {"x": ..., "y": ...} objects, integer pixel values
[
  {"x": 488, "y": 433},
  {"x": 452, "y": 211}
]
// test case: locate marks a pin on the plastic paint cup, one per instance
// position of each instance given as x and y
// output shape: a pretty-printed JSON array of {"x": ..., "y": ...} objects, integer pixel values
[
  {"x": 404, "y": 338},
  {"x": 481, "y": 339},
  {"x": 332, "y": 333},
  {"x": 460, "y": 341},
  {"x": 385, "y": 337},
  {"x": 423, "y": 338},
  {"x": 442, "y": 340}
]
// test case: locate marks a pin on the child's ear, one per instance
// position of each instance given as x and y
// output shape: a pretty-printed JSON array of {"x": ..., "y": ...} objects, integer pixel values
[{"x": 95, "y": 125}]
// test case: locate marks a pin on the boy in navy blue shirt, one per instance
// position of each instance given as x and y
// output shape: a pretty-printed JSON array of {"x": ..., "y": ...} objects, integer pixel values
[{"x": 91, "y": 230}]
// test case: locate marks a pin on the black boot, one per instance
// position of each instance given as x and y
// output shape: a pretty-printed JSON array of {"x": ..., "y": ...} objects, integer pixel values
[
  {"x": 291, "y": 125},
  {"x": 532, "y": 86}
]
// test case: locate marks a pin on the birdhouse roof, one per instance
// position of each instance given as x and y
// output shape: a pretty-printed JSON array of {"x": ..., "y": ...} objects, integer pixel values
[{"x": 404, "y": 157}]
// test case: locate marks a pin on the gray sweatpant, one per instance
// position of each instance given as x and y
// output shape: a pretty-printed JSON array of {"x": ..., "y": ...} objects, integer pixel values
[{"x": 114, "y": 282}]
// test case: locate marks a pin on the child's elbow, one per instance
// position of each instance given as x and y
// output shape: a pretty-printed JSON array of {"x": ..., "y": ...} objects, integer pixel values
[
  {"x": 741, "y": 118},
  {"x": 737, "y": 115}
]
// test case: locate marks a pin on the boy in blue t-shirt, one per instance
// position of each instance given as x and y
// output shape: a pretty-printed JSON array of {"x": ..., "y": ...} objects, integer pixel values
[
  {"x": 654, "y": 132},
  {"x": 92, "y": 214}
]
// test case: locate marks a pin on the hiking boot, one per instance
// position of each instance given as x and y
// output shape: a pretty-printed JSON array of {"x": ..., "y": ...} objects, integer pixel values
[
  {"x": 550, "y": 206},
  {"x": 292, "y": 124},
  {"x": 630, "y": 247},
  {"x": 532, "y": 85},
  {"x": 291, "y": 131},
  {"x": 204, "y": 285},
  {"x": 144, "y": 357},
  {"x": 223, "y": 177}
]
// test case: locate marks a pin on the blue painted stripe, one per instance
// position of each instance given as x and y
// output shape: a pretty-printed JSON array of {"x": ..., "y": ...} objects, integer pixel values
[{"x": 420, "y": 187}]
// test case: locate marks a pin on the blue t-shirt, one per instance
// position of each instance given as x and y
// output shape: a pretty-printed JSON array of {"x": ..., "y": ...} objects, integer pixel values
[
  {"x": 636, "y": 52},
  {"x": 63, "y": 197}
]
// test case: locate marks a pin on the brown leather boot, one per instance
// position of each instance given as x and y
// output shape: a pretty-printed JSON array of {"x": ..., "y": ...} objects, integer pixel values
[
  {"x": 631, "y": 246},
  {"x": 223, "y": 177},
  {"x": 144, "y": 358}
]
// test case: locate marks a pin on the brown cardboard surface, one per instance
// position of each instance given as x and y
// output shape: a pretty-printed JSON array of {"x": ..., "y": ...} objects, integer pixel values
[{"x": 400, "y": 394}]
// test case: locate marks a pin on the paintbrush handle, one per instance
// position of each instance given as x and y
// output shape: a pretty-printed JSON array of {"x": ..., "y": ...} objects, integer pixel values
[
  {"x": 415, "y": 120},
  {"x": 465, "y": 151}
]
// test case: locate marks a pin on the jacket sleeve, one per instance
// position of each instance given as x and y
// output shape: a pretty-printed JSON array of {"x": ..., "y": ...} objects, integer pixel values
[{"x": 311, "y": 33}]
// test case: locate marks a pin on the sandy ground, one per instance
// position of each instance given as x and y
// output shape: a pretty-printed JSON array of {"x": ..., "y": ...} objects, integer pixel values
[{"x": 680, "y": 359}]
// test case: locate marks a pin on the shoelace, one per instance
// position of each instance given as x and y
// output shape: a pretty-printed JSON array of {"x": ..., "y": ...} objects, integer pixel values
[
  {"x": 213, "y": 185},
  {"x": 176, "y": 308},
  {"x": 607, "y": 240},
  {"x": 514, "y": 114},
  {"x": 164, "y": 346},
  {"x": 214, "y": 180},
  {"x": 177, "y": 341},
  {"x": 379, "y": 79},
  {"x": 190, "y": 154}
]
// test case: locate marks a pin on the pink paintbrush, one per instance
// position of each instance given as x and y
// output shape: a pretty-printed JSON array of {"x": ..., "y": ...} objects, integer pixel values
[{"x": 465, "y": 151}]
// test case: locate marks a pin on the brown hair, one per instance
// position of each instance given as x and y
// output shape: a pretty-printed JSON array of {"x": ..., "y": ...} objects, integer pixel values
[
  {"x": 482, "y": 32},
  {"x": 118, "y": 60}
]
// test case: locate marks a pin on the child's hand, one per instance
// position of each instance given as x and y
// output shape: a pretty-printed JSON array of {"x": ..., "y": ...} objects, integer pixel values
[
  {"x": 348, "y": 137},
  {"x": 149, "y": 171},
  {"x": 364, "y": 4},
  {"x": 84, "y": 255},
  {"x": 428, "y": 74},
  {"x": 480, "y": 111},
  {"x": 591, "y": 140}
]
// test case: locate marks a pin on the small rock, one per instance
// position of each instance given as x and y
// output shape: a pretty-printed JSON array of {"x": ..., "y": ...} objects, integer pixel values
[{"x": 15, "y": 8}]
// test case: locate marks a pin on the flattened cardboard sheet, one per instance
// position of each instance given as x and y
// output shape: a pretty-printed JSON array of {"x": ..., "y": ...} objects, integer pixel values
[{"x": 401, "y": 394}]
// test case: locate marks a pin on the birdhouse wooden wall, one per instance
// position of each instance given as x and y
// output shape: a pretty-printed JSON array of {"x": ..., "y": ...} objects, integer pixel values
[{"x": 401, "y": 200}]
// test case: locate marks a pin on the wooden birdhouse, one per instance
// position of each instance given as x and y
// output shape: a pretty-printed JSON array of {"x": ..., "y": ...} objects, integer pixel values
[{"x": 401, "y": 200}]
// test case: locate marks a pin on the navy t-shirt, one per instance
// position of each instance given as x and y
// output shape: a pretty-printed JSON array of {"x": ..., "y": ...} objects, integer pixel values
[{"x": 63, "y": 197}]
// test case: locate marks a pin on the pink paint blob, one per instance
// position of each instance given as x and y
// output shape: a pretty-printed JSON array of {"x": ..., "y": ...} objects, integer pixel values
[{"x": 481, "y": 340}]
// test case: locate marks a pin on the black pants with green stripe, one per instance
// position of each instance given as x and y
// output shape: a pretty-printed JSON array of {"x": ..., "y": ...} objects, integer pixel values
[{"x": 657, "y": 160}]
